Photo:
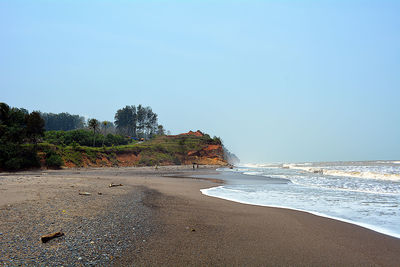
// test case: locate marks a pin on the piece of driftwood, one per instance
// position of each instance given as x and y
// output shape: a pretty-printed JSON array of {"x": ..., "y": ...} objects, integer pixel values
[
  {"x": 46, "y": 238},
  {"x": 84, "y": 193},
  {"x": 113, "y": 185}
]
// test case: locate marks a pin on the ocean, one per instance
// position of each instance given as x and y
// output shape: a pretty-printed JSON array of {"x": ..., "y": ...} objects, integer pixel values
[{"x": 363, "y": 193}]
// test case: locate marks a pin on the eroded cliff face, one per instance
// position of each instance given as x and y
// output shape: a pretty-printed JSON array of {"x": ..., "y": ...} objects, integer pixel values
[
  {"x": 211, "y": 154},
  {"x": 128, "y": 159},
  {"x": 168, "y": 150}
]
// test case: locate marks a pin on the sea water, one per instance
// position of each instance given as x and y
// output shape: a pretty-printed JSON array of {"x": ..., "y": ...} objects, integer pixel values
[{"x": 362, "y": 193}]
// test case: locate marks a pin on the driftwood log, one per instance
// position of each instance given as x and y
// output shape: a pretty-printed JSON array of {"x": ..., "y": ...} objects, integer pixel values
[
  {"x": 84, "y": 193},
  {"x": 113, "y": 185},
  {"x": 49, "y": 237}
]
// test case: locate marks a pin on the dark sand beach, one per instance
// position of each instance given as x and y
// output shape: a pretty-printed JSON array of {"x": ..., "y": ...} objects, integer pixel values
[{"x": 154, "y": 219}]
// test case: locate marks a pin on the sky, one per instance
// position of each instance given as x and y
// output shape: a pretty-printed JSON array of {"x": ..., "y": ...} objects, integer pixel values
[{"x": 278, "y": 81}]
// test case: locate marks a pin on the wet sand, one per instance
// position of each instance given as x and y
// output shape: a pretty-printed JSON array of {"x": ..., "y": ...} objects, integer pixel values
[{"x": 176, "y": 225}]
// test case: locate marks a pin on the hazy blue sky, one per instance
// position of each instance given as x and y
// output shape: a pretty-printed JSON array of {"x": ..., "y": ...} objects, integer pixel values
[{"x": 277, "y": 80}]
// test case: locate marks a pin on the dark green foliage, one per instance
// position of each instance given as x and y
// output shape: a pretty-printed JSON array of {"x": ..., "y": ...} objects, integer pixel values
[
  {"x": 53, "y": 160},
  {"x": 94, "y": 125},
  {"x": 16, "y": 127},
  {"x": 62, "y": 121},
  {"x": 34, "y": 126},
  {"x": 4, "y": 112},
  {"x": 125, "y": 120},
  {"x": 29, "y": 156},
  {"x": 12, "y": 124},
  {"x": 13, "y": 163},
  {"x": 82, "y": 138},
  {"x": 10, "y": 156},
  {"x": 16, "y": 156},
  {"x": 137, "y": 122},
  {"x": 114, "y": 139},
  {"x": 217, "y": 140}
]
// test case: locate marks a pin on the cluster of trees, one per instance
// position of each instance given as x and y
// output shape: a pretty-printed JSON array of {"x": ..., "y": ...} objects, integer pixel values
[
  {"x": 132, "y": 121},
  {"x": 18, "y": 127},
  {"x": 83, "y": 137},
  {"x": 20, "y": 131},
  {"x": 62, "y": 121},
  {"x": 137, "y": 122}
]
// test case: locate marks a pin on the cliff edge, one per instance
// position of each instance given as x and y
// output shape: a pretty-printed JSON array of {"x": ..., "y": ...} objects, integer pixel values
[{"x": 187, "y": 148}]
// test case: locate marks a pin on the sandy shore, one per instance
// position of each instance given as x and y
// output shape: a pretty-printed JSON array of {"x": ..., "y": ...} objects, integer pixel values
[{"x": 154, "y": 219}]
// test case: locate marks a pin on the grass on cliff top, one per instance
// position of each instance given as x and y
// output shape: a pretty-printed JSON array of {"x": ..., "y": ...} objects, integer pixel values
[
  {"x": 155, "y": 151},
  {"x": 161, "y": 144},
  {"x": 176, "y": 144}
]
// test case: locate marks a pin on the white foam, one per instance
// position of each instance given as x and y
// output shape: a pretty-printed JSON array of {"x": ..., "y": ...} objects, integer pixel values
[
  {"x": 365, "y": 225},
  {"x": 263, "y": 165},
  {"x": 370, "y": 172},
  {"x": 361, "y": 193},
  {"x": 363, "y": 174},
  {"x": 352, "y": 187},
  {"x": 279, "y": 176},
  {"x": 253, "y": 173}
]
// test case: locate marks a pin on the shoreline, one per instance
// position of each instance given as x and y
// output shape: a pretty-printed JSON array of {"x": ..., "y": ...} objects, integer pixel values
[
  {"x": 221, "y": 182},
  {"x": 256, "y": 235},
  {"x": 178, "y": 226},
  {"x": 373, "y": 227},
  {"x": 363, "y": 225}
]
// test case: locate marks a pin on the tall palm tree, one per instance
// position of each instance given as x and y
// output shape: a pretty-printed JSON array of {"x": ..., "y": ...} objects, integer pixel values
[
  {"x": 94, "y": 124},
  {"x": 105, "y": 128}
]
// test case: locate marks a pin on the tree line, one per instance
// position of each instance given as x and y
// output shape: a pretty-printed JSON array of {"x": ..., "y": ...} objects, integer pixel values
[
  {"x": 62, "y": 121},
  {"x": 20, "y": 131},
  {"x": 136, "y": 122},
  {"x": 18, "y": 127}
]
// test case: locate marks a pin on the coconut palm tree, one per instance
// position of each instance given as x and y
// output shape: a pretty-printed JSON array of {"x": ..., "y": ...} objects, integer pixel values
[
  {"x": 105, "y": 128},
  {"x": 94, "y": 124}
]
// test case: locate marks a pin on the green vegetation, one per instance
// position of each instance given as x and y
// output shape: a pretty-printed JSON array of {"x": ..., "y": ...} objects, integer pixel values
[
  {"x": 24, "y": 143},
  {"x": 18, "y": 127},
  {"x": 62, "y": 121},
  {"x": 94, "y": 125},
  {"x": 137, "y": 122},
  {"x": 83, "y": 138},
  {"x": 157, "y": 151},
  {"x": 74, "y": 156},
  {"x": 54, "y": 160}
]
